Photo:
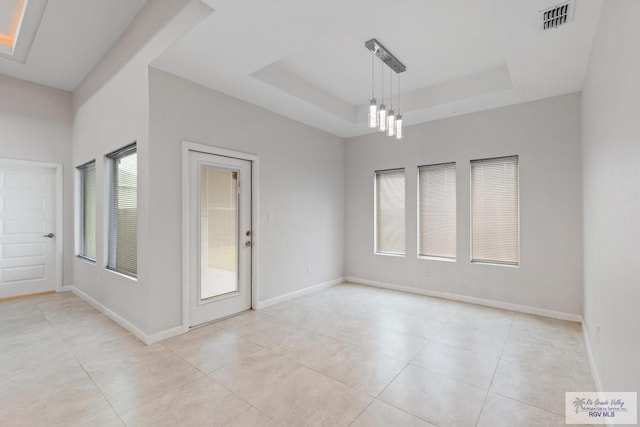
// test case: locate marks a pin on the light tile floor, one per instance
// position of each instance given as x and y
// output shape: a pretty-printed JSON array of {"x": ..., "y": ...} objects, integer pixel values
[{"x": 347, "y": 355}]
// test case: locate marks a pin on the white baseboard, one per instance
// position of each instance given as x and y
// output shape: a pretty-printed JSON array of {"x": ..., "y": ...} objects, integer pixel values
[
  {"x": 275, "y": 300},
  {"x": 111, "y": 314},
  {"x": 145, "y": 338},
  {"x": 592, "y": 365},
  {"x": 592, "y": 362},
  {"x": 166, "y": 334},
  {"x": 472, "y": 300}
]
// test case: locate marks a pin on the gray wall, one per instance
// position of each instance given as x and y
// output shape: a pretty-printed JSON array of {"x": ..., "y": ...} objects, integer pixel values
[
  {"x": 301, "y": 185},
  {"x": 111, "y": 110},
  {"x": 611, "y": 153},
  {"x": 35, "y": 124},
  {"x": 546, "y": 136},
  {"x": 115, "y": 116}
]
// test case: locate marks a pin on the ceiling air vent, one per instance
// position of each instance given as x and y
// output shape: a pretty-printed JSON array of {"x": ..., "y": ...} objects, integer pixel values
[{"x": 556, "y": 16}]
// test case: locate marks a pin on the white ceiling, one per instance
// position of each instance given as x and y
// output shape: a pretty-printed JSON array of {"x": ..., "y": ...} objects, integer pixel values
[
  {"x": 73, "y": 35},
  {"x": 306, "y": 60}
]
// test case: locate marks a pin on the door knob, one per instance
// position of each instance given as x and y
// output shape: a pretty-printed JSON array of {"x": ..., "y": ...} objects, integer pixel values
[{"x": 50, "y": 235}]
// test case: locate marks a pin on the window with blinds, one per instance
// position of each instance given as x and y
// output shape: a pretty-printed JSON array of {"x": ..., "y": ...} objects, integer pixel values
[
  {"x": 389, "y": 212},
  {"x": 123, "y": 212},
  {"x": 495, "y": 216},
  {"x": 87, "y": 220},
  {"x": 437, "y": 210}
]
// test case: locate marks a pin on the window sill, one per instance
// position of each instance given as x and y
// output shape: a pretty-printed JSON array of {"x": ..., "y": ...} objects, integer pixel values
[
  {"x": 126, "y": 276},
  {"x": 86, "y": 259},
  {"x": 495, "y": 264},
  {"x": 436, "y": 258},
  {"x": 390, "y": 254}
]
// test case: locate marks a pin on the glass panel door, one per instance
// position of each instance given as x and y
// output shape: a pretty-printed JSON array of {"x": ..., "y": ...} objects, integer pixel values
[
  {"x": 220, "y": 240},
  {"x": 218, "y": 231}
]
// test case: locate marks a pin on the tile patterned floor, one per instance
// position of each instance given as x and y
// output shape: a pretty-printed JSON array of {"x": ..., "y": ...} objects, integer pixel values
[{"x": 347, "y": 355}]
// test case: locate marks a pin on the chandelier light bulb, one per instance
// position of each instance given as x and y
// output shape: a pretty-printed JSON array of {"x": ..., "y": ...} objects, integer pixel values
[
  {"x": 391, "y": 124},
  {"x": 399, "y": 127},
  {"x": 382, "y": 118},
  {"x": 373, "y": 113}
]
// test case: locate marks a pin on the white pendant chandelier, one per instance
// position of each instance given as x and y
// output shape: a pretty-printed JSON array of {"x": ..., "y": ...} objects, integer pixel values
[{"x": 385, "y": 121}]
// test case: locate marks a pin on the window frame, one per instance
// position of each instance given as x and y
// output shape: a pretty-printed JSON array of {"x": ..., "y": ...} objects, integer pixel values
[
  {"x": 492, "y": 262},
  {"x": 376, "y": 251},
  {"x": 81, "y": 251},
  {"x": 111, "y": 218},
  {"x": 418, "y": 215}
]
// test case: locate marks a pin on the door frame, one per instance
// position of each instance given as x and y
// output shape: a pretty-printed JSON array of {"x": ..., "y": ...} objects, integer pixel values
[
  {"x": 188, "y": 146},
  {"x": 59, "y": 211}
]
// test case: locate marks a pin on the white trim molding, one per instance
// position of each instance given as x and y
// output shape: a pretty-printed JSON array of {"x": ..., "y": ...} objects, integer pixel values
[
  {"x": 188, "y": 146},
  {"x": 592, "y": 362},
  {"x": 110, "y": 314},
  {"x": 295, "y": 294},
  {"x": 472, "y": 300},
  {"x": 138, "y": 333},
  {"x": 59, "y": 225},
  {"x": 181, "y": 329}
]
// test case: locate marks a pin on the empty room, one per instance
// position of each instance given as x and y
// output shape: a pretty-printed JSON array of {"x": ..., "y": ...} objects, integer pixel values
[{"x": 336, "y": 213}]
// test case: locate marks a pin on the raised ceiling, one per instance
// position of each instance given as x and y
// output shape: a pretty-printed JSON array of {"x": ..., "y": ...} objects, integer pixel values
[
  {"x": 70, "y": 37},
  {"x": 306, "y": 60}
]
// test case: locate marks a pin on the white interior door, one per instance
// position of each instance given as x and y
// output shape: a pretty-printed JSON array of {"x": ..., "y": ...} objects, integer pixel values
[
  {"x": 27, "y": 229},
  {"x": 219, "y": 237}
]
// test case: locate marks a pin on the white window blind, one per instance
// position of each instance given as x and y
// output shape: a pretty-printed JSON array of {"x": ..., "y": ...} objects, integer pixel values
[
  {"x": 389, "y": 213},
  {"x": 437, "y": 210},
  {"x": 123, "y": 215},
  {"x": 495, "y": 211},
  {"x": 87, "y": 202}
]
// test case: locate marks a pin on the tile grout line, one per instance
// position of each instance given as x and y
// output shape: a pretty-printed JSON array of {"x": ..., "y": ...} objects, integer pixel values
[
  {"x": 541, "y": 369},
  {"x": 400, "y": 409},
  {"x": 157, "y": 396},
  {"x": 409, "y": 363},
  {"x": 247, "y": 410},
  {"x": 362, "y": 412},
  {"x": 72, "y": 353},
  {"x": 529, "y": 404},
  {"x": 208, "y": 374},
  {"x": 401, "y": 371},
  {"x": 100, "y": 391},
  {"x": 448, "y": 377},
  {"x": 546, "y": 344},
  {"x": 270, "y": 315},
  {"x": 484, "y": 402},
  {"x": 313, "y": 369},
  {"x": 251, "y": 405}
]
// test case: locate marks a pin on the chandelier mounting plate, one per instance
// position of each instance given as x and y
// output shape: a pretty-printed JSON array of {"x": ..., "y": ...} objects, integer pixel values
[{"x": 385, "y": 56}]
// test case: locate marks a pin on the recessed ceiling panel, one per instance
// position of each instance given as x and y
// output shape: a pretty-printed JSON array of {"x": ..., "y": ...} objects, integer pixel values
[
  {"x": 437, "y": 41},
  {"x": 307, "y": 61},
  {"x": 57, "y": 42}
]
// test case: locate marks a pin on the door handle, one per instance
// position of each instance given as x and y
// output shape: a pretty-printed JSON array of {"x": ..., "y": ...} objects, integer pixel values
[{"x": 50, "y": 235}]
